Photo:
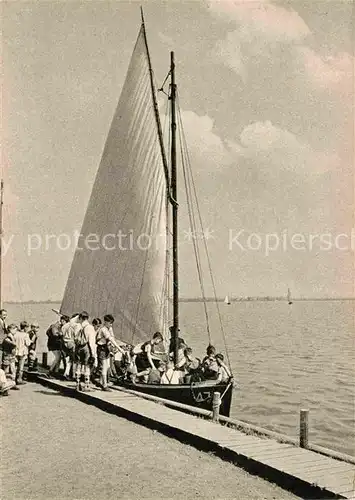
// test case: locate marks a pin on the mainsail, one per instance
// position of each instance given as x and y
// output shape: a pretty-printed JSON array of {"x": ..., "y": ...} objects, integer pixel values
[{"x": 119, "y": 266}]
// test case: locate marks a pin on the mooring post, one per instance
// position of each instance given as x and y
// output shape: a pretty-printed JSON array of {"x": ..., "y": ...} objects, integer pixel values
[
  {"x": 45, "y": 359},
  {"x": 215, "y": 406},
  {"x": 304, "y": 428}
]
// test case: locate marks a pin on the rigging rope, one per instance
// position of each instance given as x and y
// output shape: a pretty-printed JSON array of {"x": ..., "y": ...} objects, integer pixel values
[
  {"x": 193, "y": 227},
  {"x": 161, "y": 89},
  {"x": 164, "y": 311},
  {"x": 204, "y": 240}
]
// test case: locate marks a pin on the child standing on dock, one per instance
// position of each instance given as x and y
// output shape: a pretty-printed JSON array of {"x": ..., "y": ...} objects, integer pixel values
[
  {"x": 104, "y": 338},
  {"x": 32, "y": 355},
  {"x": 69, "y": 332},
  {"x": 85, "y": 352},
  {"x": 22, "y": 341},
  {"x": 9, "y": 352},
  {"x": 3, "y": 329},
  {"x": 54, "y": 344}
]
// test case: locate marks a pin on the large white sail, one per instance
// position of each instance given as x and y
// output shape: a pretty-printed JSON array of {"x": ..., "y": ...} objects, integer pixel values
[{"x": 124, "y": 272}]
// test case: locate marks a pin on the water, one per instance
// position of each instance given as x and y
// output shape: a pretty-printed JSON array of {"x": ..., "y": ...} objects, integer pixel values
[{"x": 283, "y": 358}]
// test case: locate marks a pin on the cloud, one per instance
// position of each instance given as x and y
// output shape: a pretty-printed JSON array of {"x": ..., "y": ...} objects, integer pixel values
[
  {"x": 269, "y": 147},
  {"x": 329, "y": 72},
  {"x": 231, "y": 52},
  {"x": 205, "y": 145},
  {"x": 275, "y": 149},
  {"x": 263, "y": 136},
  {"x": 262, "y": 18},
  {"x": 261, "y": 28}
]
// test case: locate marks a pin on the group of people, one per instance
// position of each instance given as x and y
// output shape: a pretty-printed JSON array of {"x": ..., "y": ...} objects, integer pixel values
[
  {"x": 90, "y": 354},
  {"x": 17, "y": 346},
  {"x": 149, "y": 366},
  {"x": 84, "y": 348}
]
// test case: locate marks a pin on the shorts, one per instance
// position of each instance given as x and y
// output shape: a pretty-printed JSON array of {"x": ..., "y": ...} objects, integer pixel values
[
  {"x": 69, "y": 349},
  {"x": 102, "y": 352},
  {"x": 82, "y": 355},
  {"x": 8, "y": 359},
  {"x": 142, "y": 363}
]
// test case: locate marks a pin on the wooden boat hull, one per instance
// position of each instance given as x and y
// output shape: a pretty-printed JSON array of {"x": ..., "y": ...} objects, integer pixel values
[{"x": 198, "y": 394}]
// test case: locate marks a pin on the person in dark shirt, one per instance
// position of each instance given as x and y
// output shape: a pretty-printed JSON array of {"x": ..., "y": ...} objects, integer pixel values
[
  {"x": 32, "y": 355},
  {"x": 9, "y": 352},
  {"x": 154, "y": 376},
  {"x": 3, "y": 329},
  {"x": 209, "y": 364},
  {"x": 144, "y": 355},
  {"x": 54, "y": 344}
]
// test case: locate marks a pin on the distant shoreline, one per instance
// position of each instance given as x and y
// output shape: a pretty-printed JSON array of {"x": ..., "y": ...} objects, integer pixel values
[{"x": 211, "y": 299}]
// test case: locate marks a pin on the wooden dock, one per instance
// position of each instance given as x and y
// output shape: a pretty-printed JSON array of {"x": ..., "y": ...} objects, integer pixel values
[{"x": 304, "y": 472}]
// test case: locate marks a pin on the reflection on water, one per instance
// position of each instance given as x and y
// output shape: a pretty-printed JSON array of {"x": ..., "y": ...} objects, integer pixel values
[{"x": 284, "y": 358}]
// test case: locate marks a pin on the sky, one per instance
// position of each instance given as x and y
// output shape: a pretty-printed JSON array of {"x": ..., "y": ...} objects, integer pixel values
[{"x": 266, "y": 90}]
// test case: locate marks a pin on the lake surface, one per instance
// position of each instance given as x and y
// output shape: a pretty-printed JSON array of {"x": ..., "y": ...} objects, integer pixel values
[{"x": 283, "y": 358}]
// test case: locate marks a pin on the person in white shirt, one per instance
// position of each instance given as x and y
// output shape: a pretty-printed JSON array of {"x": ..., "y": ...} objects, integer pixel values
[
  {"x": 22, "y": 341},
  {"x": 5, "y": 384},
  {"x": 171, "y": 376},
  {"x": 105, "y": 340},
  {"x": 85, "y": 352},
  {"x": 69, "y": 331},
  {"x": 224, "y": 373}
]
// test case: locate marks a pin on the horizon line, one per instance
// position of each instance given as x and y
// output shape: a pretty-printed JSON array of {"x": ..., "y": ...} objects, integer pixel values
[{"x": 209, "y": 299}]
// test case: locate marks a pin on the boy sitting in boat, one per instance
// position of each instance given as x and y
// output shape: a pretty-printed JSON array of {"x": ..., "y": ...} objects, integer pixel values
[
  {"x": 171, "y": 375},
  {"x": 209, "y": 366},
  {"x": 151, "y": 375},
  {"x": 181, "y": 358},
  {"x": 224, "y": 373},
  {"x": 192, "y": 365}
]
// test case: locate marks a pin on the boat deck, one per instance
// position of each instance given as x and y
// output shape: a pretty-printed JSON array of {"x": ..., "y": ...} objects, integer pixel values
[{"x": 305, "y": 472}]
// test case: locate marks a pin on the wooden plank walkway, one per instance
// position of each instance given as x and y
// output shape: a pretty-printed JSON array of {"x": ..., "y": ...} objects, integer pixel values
[{"x": 302, "y": 471}]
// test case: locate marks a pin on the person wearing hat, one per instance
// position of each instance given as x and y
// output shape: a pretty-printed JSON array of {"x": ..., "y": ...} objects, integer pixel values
[{"x": 32, "y": 355}]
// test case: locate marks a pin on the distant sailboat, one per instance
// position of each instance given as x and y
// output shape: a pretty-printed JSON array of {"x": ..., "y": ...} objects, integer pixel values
[
  {"x": 227, "y": 300},
  {"x": 289, "y": 296}
]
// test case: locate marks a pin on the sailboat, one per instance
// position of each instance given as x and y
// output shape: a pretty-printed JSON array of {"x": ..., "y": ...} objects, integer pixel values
[
  {"x": 133, "y": 215},
  {"x": 289, "y": 297},
  {"x": 227, "y": 300}
]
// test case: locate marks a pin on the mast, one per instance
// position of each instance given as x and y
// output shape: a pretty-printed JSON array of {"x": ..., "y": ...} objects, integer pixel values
[
  {"x": 156, "y": 110},
  {"x": 1, "y": 230},
  {"x": 175, "y": 331}
]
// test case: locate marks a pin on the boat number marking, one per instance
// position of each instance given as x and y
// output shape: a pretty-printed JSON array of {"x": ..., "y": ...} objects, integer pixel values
[{"x": 200, "y": 397}]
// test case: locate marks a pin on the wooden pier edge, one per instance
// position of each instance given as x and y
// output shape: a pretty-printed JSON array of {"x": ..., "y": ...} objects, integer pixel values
[
  {"x": 243, "y": 426},
  {"x": 286, "y": 481}
]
